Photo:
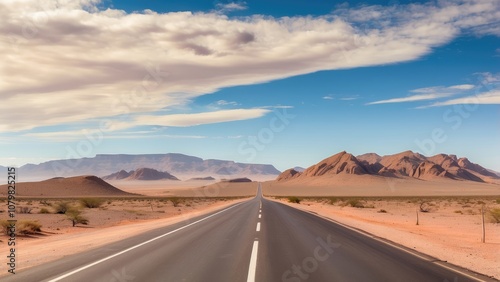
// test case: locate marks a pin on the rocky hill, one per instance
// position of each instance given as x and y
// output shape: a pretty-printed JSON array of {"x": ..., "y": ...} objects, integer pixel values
[{"x": 405, "y": 164}]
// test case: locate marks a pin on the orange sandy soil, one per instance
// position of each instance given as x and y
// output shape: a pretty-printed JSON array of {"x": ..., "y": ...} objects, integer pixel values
[
  {"x": 451, "y": 231},
  {"x": 116, "y": 219}
]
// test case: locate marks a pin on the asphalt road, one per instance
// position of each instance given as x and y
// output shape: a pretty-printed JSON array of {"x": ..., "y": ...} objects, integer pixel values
[{"x": 257, "y": 240}]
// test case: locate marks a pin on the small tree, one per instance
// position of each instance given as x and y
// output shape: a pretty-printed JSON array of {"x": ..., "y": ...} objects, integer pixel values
[
  {"x": 175, "y": 201},
  {"x": 76, "y": 218}
]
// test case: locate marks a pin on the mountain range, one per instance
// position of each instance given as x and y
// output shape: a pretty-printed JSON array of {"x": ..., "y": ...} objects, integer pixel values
[
  {"x": 182, "y": 166},
  {"x": 405, "y": 164}
]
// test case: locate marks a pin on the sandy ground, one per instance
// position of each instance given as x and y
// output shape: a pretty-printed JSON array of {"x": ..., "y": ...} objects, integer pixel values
[
  {"x": 116, "y": 220},
  {"x": 187, "y": 188},
  {"x": 450, "y": 231},
  {"x": 369, "y": 185}
]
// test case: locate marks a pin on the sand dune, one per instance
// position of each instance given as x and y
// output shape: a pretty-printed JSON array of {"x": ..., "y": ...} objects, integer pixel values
[{"x": 78, "y": 186}]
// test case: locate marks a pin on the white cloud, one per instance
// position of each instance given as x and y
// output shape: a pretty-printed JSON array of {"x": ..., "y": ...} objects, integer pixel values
[
  {"x": 185, "y": 120},
  {"x": 328, "y": 97},
  {"x": 232, "y": 6},
  {"x": 65, "y": 62},
  {"x": 349, "y": 98},
  {"x": 428, "y": 93},
  {"x": 462, "y": 87},
  {"x": 491, "y": 97},
  {"x": 226, "y": 103}
]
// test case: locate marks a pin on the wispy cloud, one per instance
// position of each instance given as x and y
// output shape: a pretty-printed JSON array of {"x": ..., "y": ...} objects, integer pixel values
[
  {"x": 186, "y": 120},
  {"x": 428, "y": 93},
  {"x": 230, "y": 7},
  {"x": 226, "y": 103},
  {"x": 196, "y": 54},
  {"x": 173, "y": 120},
  {"x": 491, "y": 97},
  {"x": 328, "y": 97},
  {"x": 349, "y": 98}
]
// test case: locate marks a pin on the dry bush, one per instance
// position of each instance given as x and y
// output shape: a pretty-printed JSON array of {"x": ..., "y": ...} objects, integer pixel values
[
  {"x": 91, "y": 203},
  {"x": 494, "y": 215},
  {"x": 28, "y": 227},
  {"x": 4, "y": 225},
  {"x": 23, "y": 227},
  {"x": 355, "y": 203},
  {"x": 44, "y": 211},
  {"x": 23, "y": 209},
  {"x": 61, "y": 207}
]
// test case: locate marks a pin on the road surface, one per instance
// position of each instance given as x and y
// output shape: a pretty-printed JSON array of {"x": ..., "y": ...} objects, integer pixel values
[{"x": 256, "y": 240}]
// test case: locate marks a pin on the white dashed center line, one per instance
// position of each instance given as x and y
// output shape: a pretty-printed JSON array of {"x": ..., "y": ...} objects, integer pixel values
[{"x": 253, "y": 262}]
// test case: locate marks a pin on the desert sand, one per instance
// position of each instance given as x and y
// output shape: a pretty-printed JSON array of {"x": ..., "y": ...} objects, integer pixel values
[
  {"x": 372, "y": 185},
  {"x": 193, "y": 188},
  {"x": 451, "y": 230}
]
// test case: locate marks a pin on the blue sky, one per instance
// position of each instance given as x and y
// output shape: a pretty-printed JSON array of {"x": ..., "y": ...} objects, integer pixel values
[{"x": 254, "y": 81}]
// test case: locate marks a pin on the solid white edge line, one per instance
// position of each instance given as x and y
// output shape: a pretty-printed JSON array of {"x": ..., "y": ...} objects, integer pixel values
[
  {"x": 258, "y": 227},
  {"x": 138, "y": 245},
  {"x": 252, "y": 268}
]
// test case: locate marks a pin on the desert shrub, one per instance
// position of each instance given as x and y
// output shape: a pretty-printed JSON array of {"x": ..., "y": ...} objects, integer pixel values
[
  {"x": 382, "y": 211},
  {"x": 22, "y": 227},
  {"x": 458, "y": 211},
  {"x": 294, "y": 200},
  {"x": 91, "y": 203},
  {"x": 495, "y": 215},
  {"x": 75, "y": 216},
  {"x": 480, "y": 203},
  {"x": 44, "y": 203},
  {"x": 355, "y": 203},
  {"x": 471, "y": 212},
  {"x": 28, "y": 227},
  {"x": 61, "y": 207},
  {"x": 175, "y": 201},
  {"x": 4, "y": 226},
  {"x": 23, "y": 209},
  {"x": 498, "y": 201},
  {"x": 44, "y": 211},
  {"x": 333, "y": 200}
]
